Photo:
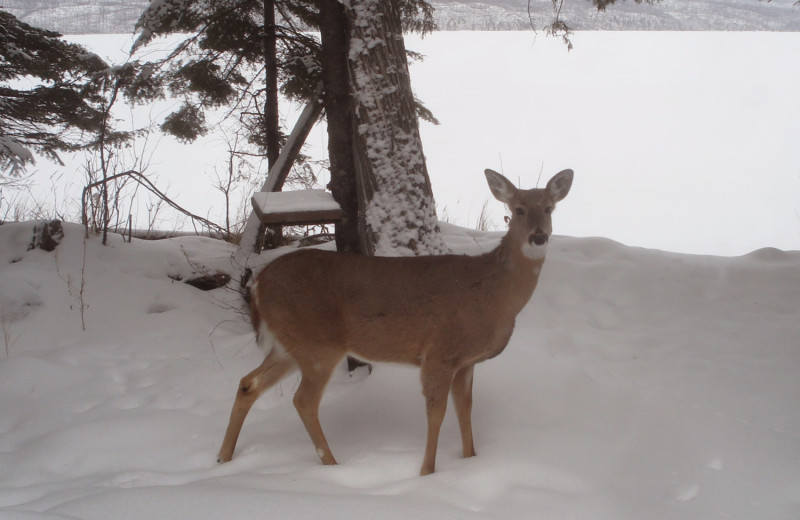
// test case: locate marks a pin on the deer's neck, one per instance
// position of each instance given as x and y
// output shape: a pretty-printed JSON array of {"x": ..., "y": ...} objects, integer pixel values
[{"x": 517, "y": 272}]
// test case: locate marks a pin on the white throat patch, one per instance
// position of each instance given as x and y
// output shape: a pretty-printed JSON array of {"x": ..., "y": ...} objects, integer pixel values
[{"x": 534, "y": 252}]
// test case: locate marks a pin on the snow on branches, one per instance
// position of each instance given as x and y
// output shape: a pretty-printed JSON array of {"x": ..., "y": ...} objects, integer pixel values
[
  {"x": 161, "y": 16},
  {"x": 55, "y": 103}
]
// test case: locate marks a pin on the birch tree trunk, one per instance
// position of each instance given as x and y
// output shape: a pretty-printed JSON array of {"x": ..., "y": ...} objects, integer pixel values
[{"x": 395, "y": 195}]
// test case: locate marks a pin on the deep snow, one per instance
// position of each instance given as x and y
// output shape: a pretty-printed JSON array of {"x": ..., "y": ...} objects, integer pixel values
[{"x": 638, "y": 385}]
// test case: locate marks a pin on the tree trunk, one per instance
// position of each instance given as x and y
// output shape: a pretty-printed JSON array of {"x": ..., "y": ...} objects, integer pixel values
[
  {"x": 270, "y": 235},
  {"x": 271, "y": 119},
  {"x": 394, "y": 188},
  {"x": 339, "y": 112}
]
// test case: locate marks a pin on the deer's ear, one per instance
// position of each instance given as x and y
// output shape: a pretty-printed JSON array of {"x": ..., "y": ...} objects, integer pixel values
[
  {"x": 559, "y": 185},
  {"x": 502, "y": 189}
]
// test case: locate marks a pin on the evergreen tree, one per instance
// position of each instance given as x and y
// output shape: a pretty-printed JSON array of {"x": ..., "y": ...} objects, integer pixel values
[
  {"x": 50, "y": 99},
  {"x": 236, "y": 55},
  {"x": 239, "y": 52},
  {"x": 225, "y": 61}
]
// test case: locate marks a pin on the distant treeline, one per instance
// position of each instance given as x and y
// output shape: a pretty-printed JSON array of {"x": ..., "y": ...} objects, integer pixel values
[{"x": 119, "y": 16}]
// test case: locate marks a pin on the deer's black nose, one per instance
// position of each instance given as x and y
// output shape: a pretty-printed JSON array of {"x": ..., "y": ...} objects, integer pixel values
[{"x": 539, "y": 238}]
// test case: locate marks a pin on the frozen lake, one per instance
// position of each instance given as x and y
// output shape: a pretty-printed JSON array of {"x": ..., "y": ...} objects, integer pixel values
[
  {"x": 685, "y": 142},
  {"x": 679, "y": 141}
]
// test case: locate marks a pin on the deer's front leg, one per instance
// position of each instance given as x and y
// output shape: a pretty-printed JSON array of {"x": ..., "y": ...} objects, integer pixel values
[
  {"x": 436, "y": 381},
  {"x": 462, "y": 399}
]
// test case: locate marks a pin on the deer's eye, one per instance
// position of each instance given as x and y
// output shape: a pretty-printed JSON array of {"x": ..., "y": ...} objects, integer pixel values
[
  {"x": 520, "y": 211},
  {"x": 548, "y": 210}
]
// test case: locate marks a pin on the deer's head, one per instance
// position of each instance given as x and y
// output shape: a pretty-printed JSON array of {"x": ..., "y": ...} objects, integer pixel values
[{"x": 531, "y": 210}]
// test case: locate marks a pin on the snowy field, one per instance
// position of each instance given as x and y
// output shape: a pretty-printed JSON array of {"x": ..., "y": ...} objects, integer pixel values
[
  {"x": 638, "y": 385},
  {"x": 685, "y": 142}
]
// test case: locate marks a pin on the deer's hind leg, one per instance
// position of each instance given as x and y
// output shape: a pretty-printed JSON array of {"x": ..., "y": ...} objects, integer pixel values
[{"x": 276, "y": 365}]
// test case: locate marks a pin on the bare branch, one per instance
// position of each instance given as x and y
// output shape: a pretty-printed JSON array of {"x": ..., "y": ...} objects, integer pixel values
[{"x": 147, "y": 184}]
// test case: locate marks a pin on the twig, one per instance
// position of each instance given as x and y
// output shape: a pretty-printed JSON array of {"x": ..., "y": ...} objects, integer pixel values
[
  {"x": 5, "y": 324},
  {"x": 144, "y": 181}
]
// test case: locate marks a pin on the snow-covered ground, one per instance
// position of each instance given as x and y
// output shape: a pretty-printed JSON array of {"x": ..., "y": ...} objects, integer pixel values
[
  {"x": 684, "y": 142},
  {"x": 638, "y": 385}
]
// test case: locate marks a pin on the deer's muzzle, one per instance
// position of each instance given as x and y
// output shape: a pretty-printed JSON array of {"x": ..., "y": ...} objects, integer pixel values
[{"x": 538, "y": 238}]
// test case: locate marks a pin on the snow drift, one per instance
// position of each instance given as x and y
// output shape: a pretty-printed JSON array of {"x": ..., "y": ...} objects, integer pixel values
[{"x": 638, "y": 384}]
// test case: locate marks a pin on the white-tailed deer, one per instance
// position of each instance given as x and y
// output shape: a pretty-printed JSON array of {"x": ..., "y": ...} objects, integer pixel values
[{"x": 442, "y": 313}]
